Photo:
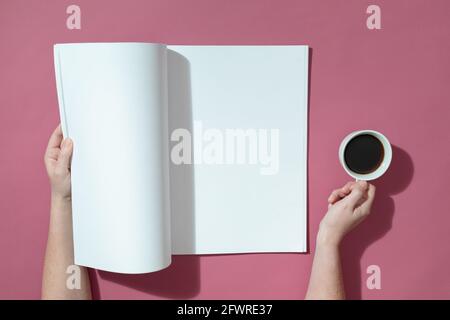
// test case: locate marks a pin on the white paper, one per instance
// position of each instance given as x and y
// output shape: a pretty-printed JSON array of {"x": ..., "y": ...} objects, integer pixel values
[
  {"x": 113, "y": 103},
  {"x": 116, "y": 101},
  {"x": 235, "y": 209}
]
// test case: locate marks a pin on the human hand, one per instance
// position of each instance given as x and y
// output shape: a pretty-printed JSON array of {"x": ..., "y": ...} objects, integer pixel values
[
  {"x": 347, "y": 207},
  {"x": 59, "y": 253},
  {"x": 57, "y": 162}
]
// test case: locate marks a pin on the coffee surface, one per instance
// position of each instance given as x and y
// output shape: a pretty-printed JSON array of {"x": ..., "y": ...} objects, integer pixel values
[{"x": 364, "y": 154}]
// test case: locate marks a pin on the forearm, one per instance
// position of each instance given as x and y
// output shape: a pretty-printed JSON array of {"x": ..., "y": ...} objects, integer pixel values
[
  {"x": 59, "y": 256},
  {"x": 326, "y": 280}
]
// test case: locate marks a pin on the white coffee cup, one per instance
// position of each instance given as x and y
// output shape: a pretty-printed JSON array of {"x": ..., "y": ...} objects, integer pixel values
[{"x": 381, "y": 169}]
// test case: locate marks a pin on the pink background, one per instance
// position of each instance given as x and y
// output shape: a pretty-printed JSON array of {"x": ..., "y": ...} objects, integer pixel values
[{"x": 395, "y": 80}]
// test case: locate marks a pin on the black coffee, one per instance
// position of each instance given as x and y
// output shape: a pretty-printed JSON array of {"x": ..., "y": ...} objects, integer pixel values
[{"x": 363, "y": 154}]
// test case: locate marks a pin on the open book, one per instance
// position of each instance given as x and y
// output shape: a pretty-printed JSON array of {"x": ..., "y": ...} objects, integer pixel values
[{"x": 184, "y": 150}]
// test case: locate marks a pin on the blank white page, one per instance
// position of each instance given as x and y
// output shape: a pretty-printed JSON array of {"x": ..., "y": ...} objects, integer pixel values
[
  {"x": 235, "y": 209},
  {"x": 113, "y": 104}
]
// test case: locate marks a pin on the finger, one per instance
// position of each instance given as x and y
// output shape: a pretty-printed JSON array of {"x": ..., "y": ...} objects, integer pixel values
[
  {"x": 66, "y": 154},
  {"x": 366, "y": 206},
  {"x": 338, "y": 194},
  {"x": 55, "y": 138},
  {"x": 53, "y": 153},
  {"x": 334, "y": 196},
  {"x": 357, "y": 194},
  {"x": 348, "y": 187}
]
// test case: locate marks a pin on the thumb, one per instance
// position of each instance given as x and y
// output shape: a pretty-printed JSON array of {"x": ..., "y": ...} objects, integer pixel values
[
  {"x": 358, "y": 193},
  {"x": 66, "y": 154}
]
